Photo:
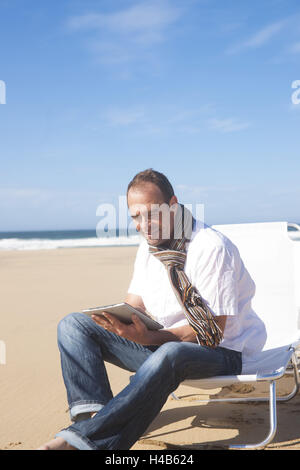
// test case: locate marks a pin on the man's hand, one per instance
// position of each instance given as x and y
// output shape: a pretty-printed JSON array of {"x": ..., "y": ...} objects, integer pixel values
[
  {"x": 139, "y": 333},
  {"x": 135, "y": 331}
]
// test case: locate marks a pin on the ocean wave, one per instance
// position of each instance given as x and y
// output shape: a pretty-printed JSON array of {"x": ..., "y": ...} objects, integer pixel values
[{"x": 48, "y": 244}]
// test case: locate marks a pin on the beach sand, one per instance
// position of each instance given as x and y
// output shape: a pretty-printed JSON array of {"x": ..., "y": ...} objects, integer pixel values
[{"x": 38, "y": 288}]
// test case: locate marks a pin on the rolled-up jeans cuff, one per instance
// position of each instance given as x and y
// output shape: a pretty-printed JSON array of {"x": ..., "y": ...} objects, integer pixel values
[
  {"x": 84, "y": 407},
  {"x": 75, "y": 440}
]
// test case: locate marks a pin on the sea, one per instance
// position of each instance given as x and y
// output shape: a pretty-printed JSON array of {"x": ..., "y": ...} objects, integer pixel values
[{"x": 55, "y": 239}]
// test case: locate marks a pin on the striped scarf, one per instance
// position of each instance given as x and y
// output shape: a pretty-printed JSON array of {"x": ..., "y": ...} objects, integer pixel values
[{"x": 173, "y": 257}]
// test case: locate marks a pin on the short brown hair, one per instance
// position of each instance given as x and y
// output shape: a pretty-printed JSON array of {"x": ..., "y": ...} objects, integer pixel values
[{"x": 155, "y": 177}]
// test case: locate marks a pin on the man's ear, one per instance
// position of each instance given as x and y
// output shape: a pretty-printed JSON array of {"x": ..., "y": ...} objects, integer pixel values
[{"x": 173, "y": 200}]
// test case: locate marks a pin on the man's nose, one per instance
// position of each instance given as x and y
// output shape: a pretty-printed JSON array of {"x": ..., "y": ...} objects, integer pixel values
[{"x": 147, "y": 228}]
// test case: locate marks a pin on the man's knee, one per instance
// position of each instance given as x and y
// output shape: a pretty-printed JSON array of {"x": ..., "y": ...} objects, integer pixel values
[
  {"x": 68, "y": 324},
  {"x": 169, "y": 353},
  {"x": 166, "y": 364}
]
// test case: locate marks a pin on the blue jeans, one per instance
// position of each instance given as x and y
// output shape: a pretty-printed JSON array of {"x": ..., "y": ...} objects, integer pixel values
[{"x": 121, "y": 420}]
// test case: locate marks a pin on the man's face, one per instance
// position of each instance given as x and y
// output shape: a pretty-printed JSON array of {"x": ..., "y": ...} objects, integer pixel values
[{"x": 151, "y": 214}]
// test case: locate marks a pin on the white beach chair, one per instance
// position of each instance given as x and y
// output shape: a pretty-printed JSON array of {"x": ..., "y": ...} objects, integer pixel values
[
  {"x": 295, "y": 236},
  {"x": 267, "y": 253}
]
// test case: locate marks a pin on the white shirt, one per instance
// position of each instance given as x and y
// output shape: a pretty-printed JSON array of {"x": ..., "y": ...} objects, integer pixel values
[{"x": 213, "y": 265}]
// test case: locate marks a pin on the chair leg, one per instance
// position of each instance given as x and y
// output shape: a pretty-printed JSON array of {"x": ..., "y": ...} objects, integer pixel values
[
  {"x": 273, "y": 423},
  {"x": 295, "y": 372},
  {"x": 272, "y": 417},
  {"x": 272, "y": 406}
]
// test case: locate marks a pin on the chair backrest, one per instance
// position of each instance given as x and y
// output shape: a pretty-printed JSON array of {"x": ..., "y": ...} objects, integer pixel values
[
  {"x": 296, "y": 246},
  {"x": 267, "y": 253}
]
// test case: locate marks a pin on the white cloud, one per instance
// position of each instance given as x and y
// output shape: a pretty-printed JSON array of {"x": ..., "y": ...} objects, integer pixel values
[
  {"x": 171, "y": 120},
  {"x": 264, "y": 35},
  {"x": 42, "y": 208},
  {"x": 260, "y": 38},
  {"x": 122, "y": 36},
  {"x": 197, "y": 190},
  {"x": 294, "y": 48},
  {"x": 38, "y": 197},
  {"x": 123, "y": 117},
  {"x": 227, "y": 125},
  {"x": 140, "y": 17},
  {"x": 143, "y": 17},
  {"x": 21, "y": 194},
  {"x": 191, "y": 115}
]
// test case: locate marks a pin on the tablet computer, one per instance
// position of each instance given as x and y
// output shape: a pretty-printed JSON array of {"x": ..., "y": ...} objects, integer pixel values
[{"x": 123, "y": 312}]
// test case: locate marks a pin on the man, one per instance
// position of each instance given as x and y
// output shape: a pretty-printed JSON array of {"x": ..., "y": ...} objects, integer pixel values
[{"x": 203, "y": 302}]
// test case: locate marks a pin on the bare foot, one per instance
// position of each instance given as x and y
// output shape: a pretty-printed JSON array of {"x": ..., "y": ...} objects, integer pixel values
[{"x": 57, "y": 444}]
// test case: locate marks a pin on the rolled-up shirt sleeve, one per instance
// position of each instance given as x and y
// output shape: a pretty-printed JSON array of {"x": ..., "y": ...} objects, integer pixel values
[{"x": 216, "y": 279}]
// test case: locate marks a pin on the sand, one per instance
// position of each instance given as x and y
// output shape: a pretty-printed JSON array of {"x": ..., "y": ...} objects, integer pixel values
[{"x": 38, "y": 288}]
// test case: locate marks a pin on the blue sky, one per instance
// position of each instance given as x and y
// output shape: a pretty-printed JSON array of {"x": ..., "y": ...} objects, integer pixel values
[{"x": 97, "y": 90}]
